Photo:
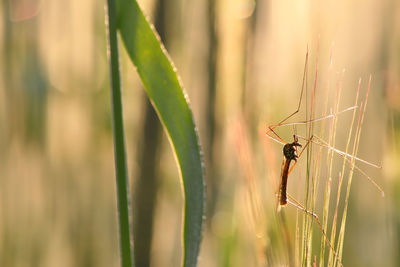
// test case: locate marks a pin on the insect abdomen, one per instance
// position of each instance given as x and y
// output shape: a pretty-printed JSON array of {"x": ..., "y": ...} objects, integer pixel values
[{"x": 283, "y": 186}]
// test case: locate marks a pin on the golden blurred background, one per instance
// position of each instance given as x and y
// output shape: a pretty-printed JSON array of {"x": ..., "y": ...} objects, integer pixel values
[{"x": 241, "y": 63}]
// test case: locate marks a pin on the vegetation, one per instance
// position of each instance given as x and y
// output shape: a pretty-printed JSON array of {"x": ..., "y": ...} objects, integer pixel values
[{"x": 91, "y": 105}]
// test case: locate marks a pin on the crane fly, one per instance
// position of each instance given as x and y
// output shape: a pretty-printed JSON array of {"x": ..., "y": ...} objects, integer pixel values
[
  {"x": 291, "y": 154},
  {"x": 290, "y": 149}
]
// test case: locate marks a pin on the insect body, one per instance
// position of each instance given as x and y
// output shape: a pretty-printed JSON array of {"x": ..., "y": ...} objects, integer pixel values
[{"x": 290, "y": 153}]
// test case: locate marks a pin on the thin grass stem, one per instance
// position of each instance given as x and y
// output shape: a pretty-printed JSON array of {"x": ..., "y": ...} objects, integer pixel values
[
  {"x": 121, "y": 170},
  {"x": 351, "y": 172},
  {"x": 329, "y": 181},
  {"x": 330, "y": 153}
]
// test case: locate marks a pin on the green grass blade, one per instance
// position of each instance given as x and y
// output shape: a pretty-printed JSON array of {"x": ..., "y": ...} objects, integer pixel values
[
  {"x": 166, "y": 94},
  {"x": 119, "y": 139},
  {"x": 351, "y": 171}
]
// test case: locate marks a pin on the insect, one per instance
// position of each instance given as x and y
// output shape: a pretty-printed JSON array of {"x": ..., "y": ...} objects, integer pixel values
[
  {"x": 290, "y": 151},
  {"x": 293, "y": 150}
]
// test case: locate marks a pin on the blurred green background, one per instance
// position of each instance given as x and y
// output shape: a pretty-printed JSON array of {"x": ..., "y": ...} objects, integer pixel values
[{"x": 241, "y": 63}]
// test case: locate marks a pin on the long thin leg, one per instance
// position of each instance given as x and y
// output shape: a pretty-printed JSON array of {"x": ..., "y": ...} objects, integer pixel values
[
  {"x": 278, "y": 139},
  {"x": 319, "y": 141},
  {"x": 329, "y": 116},
  {"x": 272, "y": 127},
  {"x": 302, "y": 90},
  {"x": 325, "y": 144},
  {"x": 274, "y": 136},
  {"x": 296, "y": 204}
]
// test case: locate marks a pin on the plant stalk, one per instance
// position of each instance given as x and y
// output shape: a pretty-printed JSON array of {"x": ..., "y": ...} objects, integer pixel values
[{"x": 121, "y": 169}]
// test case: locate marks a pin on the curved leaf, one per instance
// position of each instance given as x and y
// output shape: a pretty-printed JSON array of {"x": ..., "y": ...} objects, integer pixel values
[{"x": 166, "y": 94}]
